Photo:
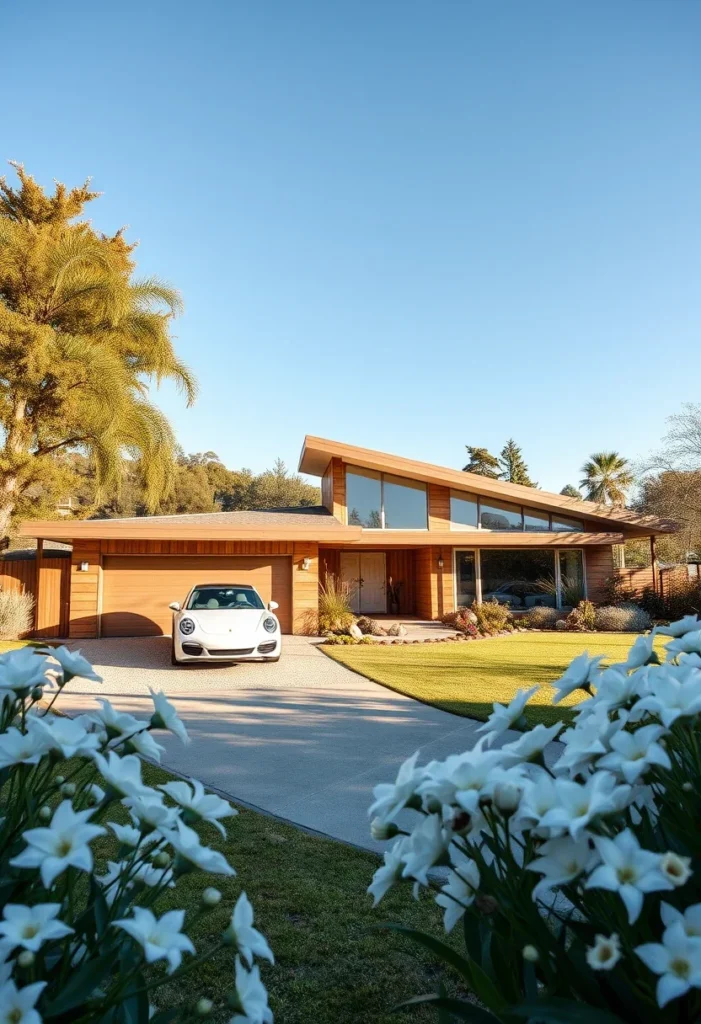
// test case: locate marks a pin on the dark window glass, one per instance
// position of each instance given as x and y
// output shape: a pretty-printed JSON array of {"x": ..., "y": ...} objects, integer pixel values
[
  {"x": 229, "y": 598},
  {"x": 463, "y": 509},
  {"x": 497, "y": 515},
  {"x": 465, "y": 578},
  {"x": 363, "y": 498},
  {"x": 561, "y": 523},
  {"x": 534, "y": 521},
  {"x": 571, "y": 577},
  {"x": 520, "y": 579},
  {"x": 405, "y": 504}
]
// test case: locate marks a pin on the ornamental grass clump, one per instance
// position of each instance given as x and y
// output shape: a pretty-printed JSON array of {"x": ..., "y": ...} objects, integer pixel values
[
  {"x": 575, "y": 878},
  {"x": 81, "y": 944}
]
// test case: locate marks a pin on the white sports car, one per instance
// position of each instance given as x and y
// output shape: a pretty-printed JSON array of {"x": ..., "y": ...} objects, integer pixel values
[{"x": 225, "y": 622}]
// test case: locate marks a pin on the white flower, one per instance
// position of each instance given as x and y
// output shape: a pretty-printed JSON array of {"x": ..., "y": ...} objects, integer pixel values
[
  {"x": 689, "y": 643},
  {"x": 632, "y": 753},
  {"x": 677, "y": 959},
  {"x": 392, "y": 797},
  {"x": 531, "y": 744},
  {"x": 116, "y": 723},
  {"x": 74, "y": 664},
  {"x": 586, "y": 740},
  {"x": 676, "y": 869},
  {"x": 241, "y": 933},
  {"x": 22, "y": 669},
  {"x": 425, "y": 847},
  {"x": 116, "y": 871},
  {"x": 205, "y": 806},
  {"x": 123, "y": 774},
  {"x": 186, "y": 842},
  {"x": 507, "y": 797},
  {"x": 143, "y": 743},
  {"x": 17, "y": 1005},
  {"x": 628, "y": 870},
  {"x": 539, "y": 797},
  {"x": 578, "y": 803},
  {"x": 31, "y": 927},
  {"x": 22, "y": 748},
  {"x": 381, "y": 830},
  {"x": 579, "y": 674},
  {"x": 560, "y": 861},
  {"x": 686, "y": 625},
  {"x": 67, "y": 735},
  {"x": 151, "y": 810},
  {"x": 130, "y": 836},
  {"x": 690, "y": 919},
  {"x": 63, "y": 844},
  {"x": 161, "y": 938},
  {"x": 459, "y": 891},
  {"x": 152, "y": 876},
  {"x": 615, "y": 688},
  {"x": 673, "y": 697},
  {"x": 389, "y": 871},
  {"x": 605, "y": 953},
  {"x": 639, "y": 654},
  {"x": 252, "y": 997},
  {"x": 504, "y": 717},
  {"x": 166, "y": 717}
]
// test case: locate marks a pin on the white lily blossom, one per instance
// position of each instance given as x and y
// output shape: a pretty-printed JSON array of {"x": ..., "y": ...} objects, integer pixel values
[
  {"x": 392, "y": 797},
  {"x": 677, "y": 961},
  {"x": 31, "y": 927},
  {"x": 150, "y": 810},
  {"x": 632, "y": 753},
  {"x": 628, "y": 870},
  {"x": 690, "y": 919},
  {"x": 561, "y": 861},
  {"x": 425, "y": 847},
  {"x": 579, "y": 803},
  {"x": 67, "y": 735},
  {"x": 22, "y": 669},
  {"x": 531, "y": 744},
  {"x": 116, "y": 723},
  {"x": 161, "y": 938},
  {"x": 389, "y": 872},
  {"x": 674, "y": 696},
  {"x": 186, "y": 842},
  {"x": 687, "y": 624},
  {"x": 74, "y": 664},
  {"x": 123, "y": 774},
  {"x": 504, "y": 717},
  {"x": 252, "y": 996},
  {"x": 579, "y": 675},
  {"x": 688, "y": 643},
  {"x": 23, "y": 748},
  {"x": 166, "y": 717},
  {"x": 17, "y": 1005},
  {"x": 605, "y": 953},
  {"x": 639, "y": 654},
  {"x": 205, "y": 806},
  {"x": 248, "y": 940},
  {"x": 143, "y": 743},
  {"x": 459, "y": 891},
  {"x": 65, "y": 843}
]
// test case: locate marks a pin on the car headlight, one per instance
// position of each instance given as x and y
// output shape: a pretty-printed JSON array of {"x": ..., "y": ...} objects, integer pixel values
[
  {"x": 187, "y": 626},
  {"x": 270, "y": 624}
]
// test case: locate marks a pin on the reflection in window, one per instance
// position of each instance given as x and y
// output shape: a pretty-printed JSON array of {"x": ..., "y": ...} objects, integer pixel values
[
  {"x": 534, "y": 521},
  {"x": 497, "y": 515},
  {"x": 463, "y": 509},
  {"x": 571, "y": 578},
  {"x": 364, "y": 499},
  {"x": 521, "y": 579},
  {"x": 465, "y": 580},
  {"x": 405, "y": 504},
  {"x": 561, "y": 524}
]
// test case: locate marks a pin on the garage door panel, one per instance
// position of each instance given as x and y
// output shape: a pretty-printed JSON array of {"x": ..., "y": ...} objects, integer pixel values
[{"x": 137, "y": 590}]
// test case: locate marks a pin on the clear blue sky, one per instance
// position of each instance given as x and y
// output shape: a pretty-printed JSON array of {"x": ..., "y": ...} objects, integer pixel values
[{"x": 410, "y": 226}]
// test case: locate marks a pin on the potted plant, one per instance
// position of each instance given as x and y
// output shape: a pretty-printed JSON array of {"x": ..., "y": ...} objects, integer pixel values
[{"x": 394, "y": 595}]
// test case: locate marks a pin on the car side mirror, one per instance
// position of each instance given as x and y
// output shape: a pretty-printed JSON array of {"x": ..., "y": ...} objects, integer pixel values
[
  {"x": 272, "y": 605},
  {"x": 174, "y": 606}
]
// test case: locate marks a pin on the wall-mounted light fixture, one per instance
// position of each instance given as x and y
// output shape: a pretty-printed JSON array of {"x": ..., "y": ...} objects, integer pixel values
[
  {"x": 440, "y": 561},
  {"x": 306, "y": 564},
  {"x": 84, "y": 566}
]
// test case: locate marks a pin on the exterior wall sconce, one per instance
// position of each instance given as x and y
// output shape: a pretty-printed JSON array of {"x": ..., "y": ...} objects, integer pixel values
[
  {"x": 84, "y": 566},
  {"x": 440, "y": 561},
  {"x": 306, "y": 564}
]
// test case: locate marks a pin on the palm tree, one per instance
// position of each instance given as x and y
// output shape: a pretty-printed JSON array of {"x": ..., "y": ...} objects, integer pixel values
[
  {"x": 606, "y": 479},
  {"x": 80, "y": 342}
]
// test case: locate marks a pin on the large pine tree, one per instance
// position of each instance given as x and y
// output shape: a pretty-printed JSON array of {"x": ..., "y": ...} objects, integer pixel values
[
  {"x": 482, "y": 462},
  {"x": 80, "y": 341},
  {"x": 513, "y": 467}
]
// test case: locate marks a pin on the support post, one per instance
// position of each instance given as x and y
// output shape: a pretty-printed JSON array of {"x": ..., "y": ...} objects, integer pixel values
[
  {"x": 38, "y": 584},
  {"x": 653, "y": 563}
]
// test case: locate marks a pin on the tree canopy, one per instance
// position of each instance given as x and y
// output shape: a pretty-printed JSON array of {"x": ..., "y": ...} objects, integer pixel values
[
  {"x": 482, "y": 462},
  {"x": 81, "y": 341},
  {"x": 606, "y": 478},
  {"x": 513, "y": 466},
  {"x": 570, "y": 491}
]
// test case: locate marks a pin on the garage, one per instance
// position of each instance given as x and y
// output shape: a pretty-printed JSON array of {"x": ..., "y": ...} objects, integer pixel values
[{"x": 137, "y": 589}]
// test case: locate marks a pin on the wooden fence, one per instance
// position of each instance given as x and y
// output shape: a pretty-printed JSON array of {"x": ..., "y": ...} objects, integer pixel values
[
  {"x": 48, "y": 579},
  {"x": 665, "y": 581}
]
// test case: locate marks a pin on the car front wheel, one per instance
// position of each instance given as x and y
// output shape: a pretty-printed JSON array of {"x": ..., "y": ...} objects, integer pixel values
[{"x": 173, "y": 659}]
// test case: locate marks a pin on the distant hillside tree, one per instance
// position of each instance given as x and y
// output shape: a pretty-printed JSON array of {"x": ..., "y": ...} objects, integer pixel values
[
  {"x": 513, "y": 467},
  {"x": 482, "y": 462},
  {"x": 606, "y": 478},
  {"x": 570, "y": 491},
  {"x": 276, "y": 488}
]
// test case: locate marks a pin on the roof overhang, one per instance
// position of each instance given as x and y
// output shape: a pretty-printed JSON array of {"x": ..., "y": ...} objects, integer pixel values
[
  {"x": 380, "y": 539},
  {"x": 143, "y": 529},
  {"x": 317, "y": 452}
]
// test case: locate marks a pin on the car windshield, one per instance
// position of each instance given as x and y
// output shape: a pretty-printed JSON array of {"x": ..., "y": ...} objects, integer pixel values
[{"x": 229, "y": 598}]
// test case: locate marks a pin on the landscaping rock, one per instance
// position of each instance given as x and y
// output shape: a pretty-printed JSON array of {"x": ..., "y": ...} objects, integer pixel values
[
  {"x": 396, "y": 629},
  {"x": 355, "y": 631}
]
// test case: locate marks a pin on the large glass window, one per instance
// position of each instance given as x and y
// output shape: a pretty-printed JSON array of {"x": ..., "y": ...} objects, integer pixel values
[
  {"x": 465, "y": 579},
  {"x": 561, "y": 523},
  {"x": 463, "y": 509},
  {"x": 497, "y": 515},
  {"x": 521, "y": 579},
  {"x": 534, "y": 521},
  {"x": 364, "y": 498},
  {"x": 571, "y": 578},
  {"x": 404, "y": 504}
]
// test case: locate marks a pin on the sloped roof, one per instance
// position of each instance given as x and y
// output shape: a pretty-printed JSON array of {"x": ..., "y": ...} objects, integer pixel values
[{"x": 266, "y": 517}]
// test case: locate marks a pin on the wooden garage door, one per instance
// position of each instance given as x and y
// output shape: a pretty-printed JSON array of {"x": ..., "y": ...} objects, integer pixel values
[{"x": 136, "y": 590}]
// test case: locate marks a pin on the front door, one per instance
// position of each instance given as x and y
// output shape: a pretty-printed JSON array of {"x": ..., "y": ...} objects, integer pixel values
[{"x": 365, "y": 571}]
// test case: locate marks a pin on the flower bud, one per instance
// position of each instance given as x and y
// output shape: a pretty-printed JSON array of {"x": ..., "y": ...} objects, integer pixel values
[
  {"x": 37, "y": 693},
  {"x": 26, "y": 958},
  {"x": 382, "y": 830},
  {"x": 60, "y": 779},
  {"x": 531, "y": 954},
  {"x": 211, "y": 896},
  {"x": 204, "y": 1007},
  {"x": 461, "y": 822},
  {"x": 45, "y": 813},
  {"x": 68, "y": 789},
  {"x": 507, "y": 797},
  {"x": 161, "y": 859},
  {"x": 688, "y": 787}
]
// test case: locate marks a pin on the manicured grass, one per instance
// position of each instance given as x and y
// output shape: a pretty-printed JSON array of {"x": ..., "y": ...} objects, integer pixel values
[
  {"x": 309, "y": 895},
  {"x": 13, "y": 645},
  {"x": 467, "y": 678}
]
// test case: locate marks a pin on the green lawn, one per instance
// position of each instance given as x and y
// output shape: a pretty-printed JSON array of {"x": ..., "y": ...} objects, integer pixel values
[
  {"x": 13, "y": 645},
  {"x": 467, "y": 678}
]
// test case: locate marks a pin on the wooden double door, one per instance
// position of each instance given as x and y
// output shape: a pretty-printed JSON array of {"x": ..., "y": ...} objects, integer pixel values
[{"x": 366, "y": 573}]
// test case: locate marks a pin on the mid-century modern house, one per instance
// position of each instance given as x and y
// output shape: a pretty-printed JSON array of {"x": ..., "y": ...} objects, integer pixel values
[{"x": 411, "y": 538}]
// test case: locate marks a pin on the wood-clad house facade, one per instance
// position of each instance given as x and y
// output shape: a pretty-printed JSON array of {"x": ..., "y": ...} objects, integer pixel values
[{"x": 411, "y": 538}]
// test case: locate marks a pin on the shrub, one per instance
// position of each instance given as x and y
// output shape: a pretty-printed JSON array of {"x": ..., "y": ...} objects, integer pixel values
[
  {"x": 622, "y": 618},
  {"x": 561, "y": 624},
  {"x": 582, "y": 618},
  {"x": 462, "y": 620},
  {"x": 685, "y": 599},
  {"x": 339, "y": 639},
  {"x": 79, "y": 945},
  {"x": 16, "y": 614},
  {"x": 540, "y": 617},
  {"x": 492, "y": 617},
  {"x": 576, "y": 887},
  {"x": 371, "y": 627},
  {"x": 335, "y": 612}
]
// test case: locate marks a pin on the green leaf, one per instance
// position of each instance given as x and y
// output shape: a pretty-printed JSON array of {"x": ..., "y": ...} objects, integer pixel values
[
  {"x": 563, "y": 1011},
  {"x": 457, "y": 1007},
  {"x": 135, "y": 1007},
  {"x": 80, "y": 985},
  {"x": 165, "y": 1016},
  {"x": 440, "y": 949}
]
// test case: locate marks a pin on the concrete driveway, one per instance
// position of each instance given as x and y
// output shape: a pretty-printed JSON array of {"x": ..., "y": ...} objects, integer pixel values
[{"x": 305, "y": 739}]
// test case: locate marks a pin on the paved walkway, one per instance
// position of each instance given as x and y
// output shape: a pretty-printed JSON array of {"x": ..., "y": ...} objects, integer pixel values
[{"x": 305, "y": 739}]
